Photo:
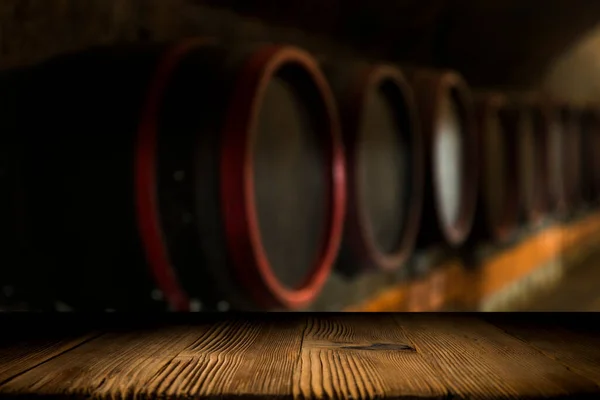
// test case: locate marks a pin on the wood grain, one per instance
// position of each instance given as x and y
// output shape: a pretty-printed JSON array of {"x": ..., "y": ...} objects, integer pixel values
[
  {"x": 476, "y": 359},
  {"x": 220, "y": 359},
  {"x": 361, "y": 356},
  {"x": 301, "y": 356},
  {"x": 577, "y": 351},
  {"x": 17, "y": 358},
  {"x": 246, "y": 358}
]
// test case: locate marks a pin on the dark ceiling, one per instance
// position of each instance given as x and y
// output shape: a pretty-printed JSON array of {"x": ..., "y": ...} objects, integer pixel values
[{"x": 493, "y": 42}]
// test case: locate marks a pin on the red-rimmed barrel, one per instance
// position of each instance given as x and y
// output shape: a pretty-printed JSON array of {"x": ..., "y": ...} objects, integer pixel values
[
  {"x": 531, "y": 126},
  {"x": 289, "y": 263},
  {"x": 206, "y": 175},
  {"x": 590, "y": 153},
  {"x": 497, "y": 215},
  {"x": 384, "y": 158},
  {"x": 447, "y": 125}
]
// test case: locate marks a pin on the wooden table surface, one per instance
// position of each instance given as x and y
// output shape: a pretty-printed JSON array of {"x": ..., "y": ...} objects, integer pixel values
[{"x": 305, "y": 356}]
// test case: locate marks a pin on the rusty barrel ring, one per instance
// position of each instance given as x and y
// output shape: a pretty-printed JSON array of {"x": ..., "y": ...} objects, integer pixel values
[
  {"x": 494, "y": 105},
  {"x": 437, "y": 85},
  {"x": 237, "y": 192},
  {"x": 358, "y": 227}
]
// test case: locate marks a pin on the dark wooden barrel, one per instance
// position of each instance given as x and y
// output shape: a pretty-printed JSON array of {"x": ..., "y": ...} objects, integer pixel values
[
  {"x": 384, "y": 158},
  {"x": 497, "y": 215},
  {"x": 187, "y": 175},
  {"x": 445, "y": 108},
  {"x": 575, "y": 183},
  {"x": 590, "y": 153},
  {"x": 531, "y": 129},
  {"x": 557, "y": 144},
  {"x": 568, "y": 158}
]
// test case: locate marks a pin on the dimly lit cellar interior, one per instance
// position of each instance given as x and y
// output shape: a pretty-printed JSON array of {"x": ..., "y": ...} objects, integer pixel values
[
  {"x": 314, "y": 155},
  {"x": 193, "y": 159}
]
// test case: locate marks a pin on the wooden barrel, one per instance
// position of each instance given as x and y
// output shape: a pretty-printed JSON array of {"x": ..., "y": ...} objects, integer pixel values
[
  {"x": 590, "y": 153},
  {"x": 567, "y": 157},
  {"x": 557, "y": 144},
  {"x": 384, "y": 158},
  {"x": 531, "y": 128},
  {"x": 497, "y": 213},
  {"x": 574, "y": 156},
  {"x": 192, "y": 174},
  {"x": 447, "y": 124}
]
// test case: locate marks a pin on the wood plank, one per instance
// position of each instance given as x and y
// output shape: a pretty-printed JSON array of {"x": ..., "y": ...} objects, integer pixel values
[
  {"x": 478, "y": 360},
  {"x": 223, "y": 358},
  {"x": 579, "y": 351},
  {"x": 361, "y": 356},
  {"x": 18, "y": 357},
  {"x": 319, "y": 356},
  {"x": 248, "y": 357}
]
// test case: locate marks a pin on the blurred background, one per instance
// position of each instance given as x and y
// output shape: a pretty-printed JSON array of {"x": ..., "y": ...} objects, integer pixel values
[{"x": 321, "y": 155}]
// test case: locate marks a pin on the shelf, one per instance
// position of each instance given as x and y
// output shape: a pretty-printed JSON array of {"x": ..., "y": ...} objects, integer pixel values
[{"x": 453, "y": 286}]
